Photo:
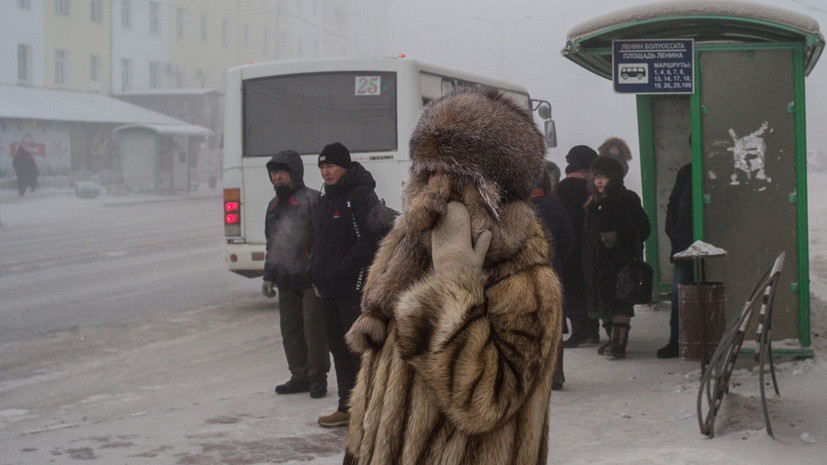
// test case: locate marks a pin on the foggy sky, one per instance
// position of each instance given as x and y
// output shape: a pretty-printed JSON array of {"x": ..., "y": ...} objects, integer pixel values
[{"x": 466, "y": 34}]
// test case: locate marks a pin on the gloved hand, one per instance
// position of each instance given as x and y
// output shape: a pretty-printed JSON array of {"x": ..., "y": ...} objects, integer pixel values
[
  {"x": 451, "y": 241},
  {"x": 609, "y": 239},
  {"x": 316, "y": 291},
  {"x": 267, "y": 289}
]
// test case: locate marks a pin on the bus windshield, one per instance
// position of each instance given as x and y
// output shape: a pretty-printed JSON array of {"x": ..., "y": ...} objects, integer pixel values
[{"x": 303, "y": 112}]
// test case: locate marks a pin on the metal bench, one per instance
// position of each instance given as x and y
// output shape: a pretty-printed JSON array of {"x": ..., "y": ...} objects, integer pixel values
[{"x": 715, "y": 379}]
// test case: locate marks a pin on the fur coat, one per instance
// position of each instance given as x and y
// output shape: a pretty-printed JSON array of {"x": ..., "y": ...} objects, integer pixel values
[{"x": 457, "y": 367}]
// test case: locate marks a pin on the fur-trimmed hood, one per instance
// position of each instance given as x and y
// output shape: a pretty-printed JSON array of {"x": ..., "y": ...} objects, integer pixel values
[{"x": 481, "y": 136}]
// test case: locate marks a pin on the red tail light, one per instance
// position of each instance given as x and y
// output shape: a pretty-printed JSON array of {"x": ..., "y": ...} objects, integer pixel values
[{"x": 232, "y": 212}]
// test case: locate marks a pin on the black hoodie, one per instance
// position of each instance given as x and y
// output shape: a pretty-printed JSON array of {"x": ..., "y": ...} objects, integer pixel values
[
  {"x": 288, "y": 226},
  {"x": 344, "y": 250}
]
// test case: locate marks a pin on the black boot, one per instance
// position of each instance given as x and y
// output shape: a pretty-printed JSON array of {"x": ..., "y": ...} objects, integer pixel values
[
  {"x": 293, "y": 386},
  {"x": 670, "y": 350},
  {"x": 619, "y": 339},
  {"x": 604, "y": 349}
]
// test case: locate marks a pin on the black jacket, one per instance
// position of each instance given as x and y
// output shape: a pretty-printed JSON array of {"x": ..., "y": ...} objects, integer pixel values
[
  {"x": 573, "y": 193},
  {"x": 552, "y": 216},
  {"x": 619, "y": 211},
  {"x": 288, "y": 227},
  {"x": 679, "y": 211},
  {"x": 342, "y": 254}
]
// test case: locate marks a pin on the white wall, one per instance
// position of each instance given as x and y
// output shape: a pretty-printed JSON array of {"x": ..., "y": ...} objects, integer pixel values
[
  {"x": 21, "y": 26},
  {"x": 138, "y": 43}
]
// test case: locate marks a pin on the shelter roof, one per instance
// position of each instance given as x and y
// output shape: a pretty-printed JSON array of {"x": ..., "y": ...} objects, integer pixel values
[
  {"x": 60, "y": 105},
  {"x": 589, "y": 44}
]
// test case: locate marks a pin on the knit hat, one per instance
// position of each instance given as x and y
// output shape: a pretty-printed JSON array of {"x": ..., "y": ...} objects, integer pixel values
[
  {"x": 579, "y": 158},
  {"x": 336, "y": 154}
]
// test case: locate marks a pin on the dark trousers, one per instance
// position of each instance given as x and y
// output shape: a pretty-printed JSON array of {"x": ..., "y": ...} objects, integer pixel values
[
  {"x": 301, "y": 319},
  {"x": 582, "y": 325},
  {"x": 683, "y": 274},
  {"x": 340, "y": 313}
]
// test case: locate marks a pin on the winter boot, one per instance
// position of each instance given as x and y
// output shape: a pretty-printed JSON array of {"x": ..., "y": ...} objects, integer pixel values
[
  {"x": 620, "y": 337},
  {"x": 604, "y": 349}
]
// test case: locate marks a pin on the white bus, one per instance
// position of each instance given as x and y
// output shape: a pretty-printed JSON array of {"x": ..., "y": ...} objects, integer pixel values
[{"x": 371, "y": 105}]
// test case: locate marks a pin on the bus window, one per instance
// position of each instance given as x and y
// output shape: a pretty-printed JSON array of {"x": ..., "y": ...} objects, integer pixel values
[{"x": 307, "y": 111}]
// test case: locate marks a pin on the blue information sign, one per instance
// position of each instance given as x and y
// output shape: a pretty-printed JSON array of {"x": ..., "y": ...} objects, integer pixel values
[{"x": 657, "y": 66}]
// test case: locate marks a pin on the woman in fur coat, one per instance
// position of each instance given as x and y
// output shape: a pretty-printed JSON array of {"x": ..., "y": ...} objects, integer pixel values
[
  {"x": 461, "y": 315},
  {"x": 614, "y": 230}
]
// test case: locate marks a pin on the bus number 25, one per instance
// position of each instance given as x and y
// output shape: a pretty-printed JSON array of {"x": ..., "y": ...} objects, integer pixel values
[{"x": 368, "y": 85}]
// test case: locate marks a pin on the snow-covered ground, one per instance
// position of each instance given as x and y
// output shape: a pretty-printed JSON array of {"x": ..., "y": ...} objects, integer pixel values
[{"x": 204, "y": 391}]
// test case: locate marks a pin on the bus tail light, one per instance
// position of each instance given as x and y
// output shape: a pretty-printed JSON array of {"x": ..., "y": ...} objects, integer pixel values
[{"x": 232, "y": 212}]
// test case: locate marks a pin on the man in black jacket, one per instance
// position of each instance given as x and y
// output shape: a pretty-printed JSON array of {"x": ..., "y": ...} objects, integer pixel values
[
  {"x": 344, "y": 249},
  {"x": 679, "y": 229},
  {"x": 288, "y": 228}
]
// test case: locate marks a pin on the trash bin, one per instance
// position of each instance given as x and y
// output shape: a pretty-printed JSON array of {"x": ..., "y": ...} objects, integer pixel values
[{"x": 702, "y": 319}]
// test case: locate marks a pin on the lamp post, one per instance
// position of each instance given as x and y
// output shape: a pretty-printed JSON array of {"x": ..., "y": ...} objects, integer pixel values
[{"x": 501, "y": 25}]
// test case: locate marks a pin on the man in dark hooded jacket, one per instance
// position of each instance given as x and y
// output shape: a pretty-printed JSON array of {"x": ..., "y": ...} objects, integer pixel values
[
  {"x": 288, "y": 228},
  {"x": 344, "y": 249},
  {"x": 26, "y": 170}
]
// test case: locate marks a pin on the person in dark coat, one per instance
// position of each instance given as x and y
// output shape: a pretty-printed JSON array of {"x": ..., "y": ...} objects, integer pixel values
[
  {"x": 615, "y": 228},
  {"x": 288, "y": 228},
  {"x": 556, "y": 224},
  {"x": 679, "y": 229},
  {"x": 25, "y": 169},
  {"x": 573, "y": 192},
  {"x": 344, "y": 249}
]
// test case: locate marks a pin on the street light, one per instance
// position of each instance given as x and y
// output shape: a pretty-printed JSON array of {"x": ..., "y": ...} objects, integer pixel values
[{"x": 502, "y": 26}]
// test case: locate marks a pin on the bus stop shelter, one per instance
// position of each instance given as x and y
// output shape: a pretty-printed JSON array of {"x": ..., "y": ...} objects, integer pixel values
[{"x": 741, "y": 124}]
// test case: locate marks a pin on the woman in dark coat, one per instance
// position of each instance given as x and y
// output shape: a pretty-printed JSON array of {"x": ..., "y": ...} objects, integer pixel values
[{"x": 614, "y": 230}]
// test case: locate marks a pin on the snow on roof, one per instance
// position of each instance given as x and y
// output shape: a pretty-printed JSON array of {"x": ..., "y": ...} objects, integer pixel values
[
  {"x": 182, "y": 91},
  {"x": 60, "y": 105},
  {"x": 650, "y": 11},
  {"x": 177, "y": 129}
]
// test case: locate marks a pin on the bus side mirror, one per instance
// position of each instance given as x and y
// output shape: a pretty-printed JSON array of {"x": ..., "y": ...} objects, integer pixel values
[
  {"x": 543, "y": 109},
  {"x": 551, "y": 134}
]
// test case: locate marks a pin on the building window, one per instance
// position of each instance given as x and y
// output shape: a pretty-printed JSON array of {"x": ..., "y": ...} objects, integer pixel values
[
  {"x": 62, "y": 7},
  {"x": 225, "y": 26},
  {"x": 203, "y": 28},
  {"x": 96, "y": 11},
  {"x": 126, "y": 14},
  {"x": 153, "y": 18},
  {"x": 126, "y": 74},
  {"x": 179, "y": 22},
  {"x": 155, "y": 75},
  {"x": 61, "y": 67},
  {"x": 24, "y": 4},
  {"x": 24, "y": 62},
  {"x": 94, "y": 68}
]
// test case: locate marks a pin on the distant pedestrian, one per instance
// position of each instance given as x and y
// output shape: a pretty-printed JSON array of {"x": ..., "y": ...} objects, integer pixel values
[
  {"x": 573, "y": 191},
  {"x": 679, "y": 230},
  {"x": 344, "y": 249},
  {"x": 553, "y": 218},
  {"x": 461, "y": 314},
  {"x": 616, "y": 148},
  {"x": 615, "y": 228},
  {"x": 288, "y": 229},
  {"x": 25, "y": 169}
]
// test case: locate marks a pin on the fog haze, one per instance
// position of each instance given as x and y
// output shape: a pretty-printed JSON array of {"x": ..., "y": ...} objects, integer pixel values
[{"x": 467, "y": 35}]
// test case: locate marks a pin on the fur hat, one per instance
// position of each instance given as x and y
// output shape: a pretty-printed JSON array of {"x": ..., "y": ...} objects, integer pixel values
[
  {"x": 623, "y": 155},
  {"x": 335, "y": 154},
  {"x": 580, "y": 158},
  {"x": 606, "y": 165},
  {"x": 482, "y": 136}
]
